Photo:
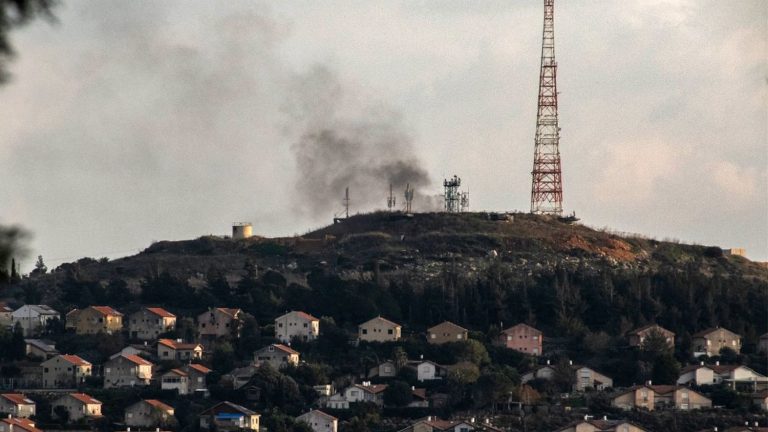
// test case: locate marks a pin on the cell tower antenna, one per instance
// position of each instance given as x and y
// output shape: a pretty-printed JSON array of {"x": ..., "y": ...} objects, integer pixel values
[
  {"x": 391, "y": 200},
  {"x": 547, "y": 186},
  {"x": 408, "y": 198},
  {"x": 455, "y": 201},
  {"x": 346, "y": 202}
]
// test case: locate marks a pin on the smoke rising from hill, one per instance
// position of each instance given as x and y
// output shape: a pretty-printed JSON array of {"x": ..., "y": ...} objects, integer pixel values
[{"x": 346, "y": 143}]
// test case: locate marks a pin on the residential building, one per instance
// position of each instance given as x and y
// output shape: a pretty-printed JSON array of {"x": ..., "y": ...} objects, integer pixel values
[
  {"x": 319, "y": 421},
  {"x": 94, "y": 320},
  {"x": 149, "y": 413},
  {"x": 197, "y": 374},
  {"x": 762, "y": 344},
  {"x": 434, "y": 424},
  {"x": 169, "y": 349},
  {"x": 585, "y": 378},
  {"x": 522, "y": 338},
  {"x": 33, "y": 318},
  {"x": 709, "y": 342},
  {"x": 379, "y": 330},
  {"x": 296, "y": 324},
  {"x": 388, "y": 369},
  {"x": 219, "y": 322},
  {"x": 6, "y": 315},
  {"x": 226, "y": 416},
  {"x": 18, "y": 425},
  {"x": 40, "y": 348},
  {"x": 276, "y": 355},
  {"x": 150, "y": 322},
  {"x": 238, "y": 377},
  {"x": 427, "y": 370},
  {"x": 418, "y": 398},
  {"x": 127, "y": 371},
  {"x": 365, "y": 392},
  {"x": 604, "y": 425},
  {"x": 77, "y": 406},
  {"x": 65, "y": 371},
  {"x": 638, "y": 336},
  {"x": 175, "y": 379},
  {"x": 139, "y": 350},
  {"x": 446, "y": 332},
  {"x": 17, "y": 405},
  {"x": 653, "y": 397},
  {"x": 733, "y": 375}
]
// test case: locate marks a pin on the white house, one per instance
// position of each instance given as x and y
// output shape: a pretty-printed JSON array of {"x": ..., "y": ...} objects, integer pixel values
[
  {"x": 319, "y": 421},
  {"x": 297, "y": 324},
  {"x": 33, "y": 318},
  {"x": 365, "y": 392}
]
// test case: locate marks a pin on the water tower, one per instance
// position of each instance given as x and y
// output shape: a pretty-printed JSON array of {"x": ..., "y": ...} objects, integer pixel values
[{"x": 242, "y": 230}]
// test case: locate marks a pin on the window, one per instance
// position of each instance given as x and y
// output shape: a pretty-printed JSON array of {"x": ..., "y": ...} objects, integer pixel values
[
  {"x": 458, "y": 336},
  {"x": 432, "y": 336},
  {"x": 390, "y": 331},
  {"x": 305, "y": 325},
  {"x": 280, "y": 325},
  {"x": 365, "y": 331}
]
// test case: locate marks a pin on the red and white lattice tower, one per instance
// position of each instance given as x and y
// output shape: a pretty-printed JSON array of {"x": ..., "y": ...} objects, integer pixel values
[{"x": 547, "y": 189}]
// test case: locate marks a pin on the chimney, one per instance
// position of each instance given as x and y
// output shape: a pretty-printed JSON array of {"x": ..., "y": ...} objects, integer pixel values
[
  {"x": 413, "y": 388},
  {"x": 701, "y": 363},
  {"x": 605, "y": 417},
  {"x": 547, "y": 362},
  {"x": 717, "y": 363},
  {"x": 570, "y": 362},
  {"x": 649, "y": 383},
  {"x": 129, "y": 429},
  {"x": 421, "y": 356}
]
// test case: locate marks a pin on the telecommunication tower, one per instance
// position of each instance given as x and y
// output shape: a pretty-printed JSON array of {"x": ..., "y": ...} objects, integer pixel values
[
  {"x": 391, "y": 200},
  {"x": 547, "y": 188},
  {"x": 455, "y": 201},
  {"x": 408, "y": 198},
  {"x": 345, "y": 202}
]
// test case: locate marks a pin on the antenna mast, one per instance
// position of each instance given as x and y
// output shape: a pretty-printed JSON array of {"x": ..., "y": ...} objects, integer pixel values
[
  {"x": 391, "y": 200},
  {"x": 547, "y": 187},
  {"x": 408, "y": 198},
  {"x": 346, "y": 203}
]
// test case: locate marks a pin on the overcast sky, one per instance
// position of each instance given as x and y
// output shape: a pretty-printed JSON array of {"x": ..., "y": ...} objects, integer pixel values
[{"x": 128, "y": 122}]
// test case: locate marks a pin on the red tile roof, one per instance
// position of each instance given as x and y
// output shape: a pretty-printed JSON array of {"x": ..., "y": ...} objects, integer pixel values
[
  {"x": 177, "y": 345},
  {"x": 198, "y": 367},
  {"x": 107, "y": 310},
  {"x": 136, "y": 359},
  {"x": 229, "y": 311},
  {"x": 521, "y": 325},
  {"x": 301, "y": 314},
  {"x": 161, "y": 312},
  {"x": 159, "y": 405},
  {"x": 75, "y": 360},
  {"x": 373, "y": 388},
  {"x": 18, "y": 399},
  {"x": 285, "y": 349},
  {"x": 21, "y": 423},
  {"x": 84, "y": 398},
  {"x": 447, "y": 326},
  {"x": 380, "y": 318},
  {"x": 178, "y": 372}
]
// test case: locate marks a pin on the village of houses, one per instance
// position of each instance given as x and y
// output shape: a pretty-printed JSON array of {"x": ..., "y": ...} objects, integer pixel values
[{"x": 62, "y": 378}]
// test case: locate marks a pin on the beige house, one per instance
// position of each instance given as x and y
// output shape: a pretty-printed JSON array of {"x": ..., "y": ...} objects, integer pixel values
[
  {"x": 585, "y": 378},
  {"x": 446, "y": 332},
  {"x": 435, "y": 424},
  {"x": 127, "y": 371},
  {"x": 709, "y": 342},
  {"x": 319, "y": 421},
  {"x": 150, "y": 322},
  {"x": 276, "y": 355},
  {"x": 169, "y": 349},
  {"x": 522, "y": 338},
  {"x": 379, "y": 330},
  {"x": 65, "y": 371},
  {"x": 298, "y": 325},
  {"x": 226, "y": 416},
  {"x": 653, "y": 397},
  {"x": 94, "y": 320},
  {"x": 17, "y": 405},
  {"x": 638, "y": 336},
  {"x": 219, "y": 322},
  {"x": 78, "y": 406},
  {"x": 594, "y": 425},
  {"x": 18, "y": 425},
  {"x": 197, "y": 376},
  {"x": 149, "y": 413}
]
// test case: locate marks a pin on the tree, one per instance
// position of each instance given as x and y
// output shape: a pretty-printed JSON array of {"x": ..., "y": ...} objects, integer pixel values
[
  {"x": 397, "y": 393},
  {"x": 40, "y": 267},
  {"x": 665, "y": 369},
  {"x": 14, "y": 13}
]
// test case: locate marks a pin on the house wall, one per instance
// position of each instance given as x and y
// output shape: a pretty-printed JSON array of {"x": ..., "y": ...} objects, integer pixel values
[
  {"x": 276, "y": 358},
  {"x": 121, "y": 372},
  {"x": 445, "y": 334},
  {"x": 91, "y": 321},
  {"x": 715, "y": 341},
  {"x": 319, "y": 422},
  {"x": 76, "y": 409},
  {"x": 639, "y": 398},
  {"x": 22, "y": 410},
  {"x": 143, "y": 414},
  {"x": 59, "y": 373},
  {"x": 587, "y": 378},
  {"x": 523, "y": 339},
  {"x": 378, "y": 331},
  {"x": 638, "y": 338},
  {"x": 196, "y": 381},
  {"x": 175, "y": 382},
  {"x": 426, "y": 371},
  {"x": 216, "y": 323},
  {"x": 31, "y": 321},
  {"x": 292, "y": 325},
  {"x": 145, "y": 325}
]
